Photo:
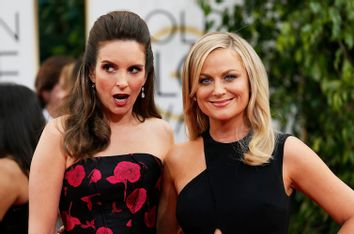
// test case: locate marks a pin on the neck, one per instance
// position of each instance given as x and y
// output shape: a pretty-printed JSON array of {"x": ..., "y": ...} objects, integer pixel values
[
  {"x": 228, "y": 131},
  {"x": 125, "y": 120}
]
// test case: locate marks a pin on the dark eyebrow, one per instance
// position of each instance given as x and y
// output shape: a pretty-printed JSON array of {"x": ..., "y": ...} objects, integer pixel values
[
  {"x": 111, "y": 62},
  {"x": 137, "y": 65},
  {"x": 106, "y": 61}
]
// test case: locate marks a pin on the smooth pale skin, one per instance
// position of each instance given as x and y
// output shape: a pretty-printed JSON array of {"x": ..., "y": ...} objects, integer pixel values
[{"x": 13, "y": 185}]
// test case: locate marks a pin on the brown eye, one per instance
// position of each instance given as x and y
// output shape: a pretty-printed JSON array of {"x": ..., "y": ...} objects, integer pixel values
[
  {"x": 108, "y": 68},
  {"x": 134, "y": 69}
]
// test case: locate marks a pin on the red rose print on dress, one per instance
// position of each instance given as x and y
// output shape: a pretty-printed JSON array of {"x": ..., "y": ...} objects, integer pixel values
[
  {"x": 95, "y": 176},
  {"x": 150, "y": 217},
  {"x": 129, "y": 223},
  {"x": 123, "y": 172},
  {"x": 87, "y": 199},
  {"x": 115, "y": 209},
  {"x": 104, "y": 230},
  {"x": 89, "y": 224},
  {"x": 75, "y": 175},
  {"x": 136, "y": 200},
  {"x": 69, "y": 221}
]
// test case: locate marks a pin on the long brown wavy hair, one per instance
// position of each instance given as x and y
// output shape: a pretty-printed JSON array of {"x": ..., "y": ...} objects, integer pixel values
[{"x": 86, "y": 131}]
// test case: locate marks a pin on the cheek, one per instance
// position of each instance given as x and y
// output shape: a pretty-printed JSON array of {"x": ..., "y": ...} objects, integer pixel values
[
  {"x": 202, "y": 93},
  {"x": 137, "y": 83},
  {"x": 104, "y": 84}
]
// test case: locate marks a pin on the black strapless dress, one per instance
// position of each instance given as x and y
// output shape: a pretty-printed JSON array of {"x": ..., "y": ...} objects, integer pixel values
[
  {"x": 15, "y": 220},
  {"x": 235, "y": 197},
  {"x": 113, "y": 194}
]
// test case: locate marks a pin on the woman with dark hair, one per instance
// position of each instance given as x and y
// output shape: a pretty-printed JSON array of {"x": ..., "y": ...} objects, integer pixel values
[
  {"x": 21, "y": 123},
  {"x": 101, "y": 162}
]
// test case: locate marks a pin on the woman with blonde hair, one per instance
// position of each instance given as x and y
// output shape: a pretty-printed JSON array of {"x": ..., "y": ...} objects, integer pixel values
[{"x": 236, "y": 174}]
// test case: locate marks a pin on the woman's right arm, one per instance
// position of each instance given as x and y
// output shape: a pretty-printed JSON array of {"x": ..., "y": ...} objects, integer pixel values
[
  {"x": 45, "y": 180},
  {"x": 166, "y": 218}
]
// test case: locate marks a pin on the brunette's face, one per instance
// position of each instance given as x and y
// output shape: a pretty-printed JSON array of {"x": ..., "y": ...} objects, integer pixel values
[
  {"x": 223, "y": 86},
  {"x": 119, "y": 76}
]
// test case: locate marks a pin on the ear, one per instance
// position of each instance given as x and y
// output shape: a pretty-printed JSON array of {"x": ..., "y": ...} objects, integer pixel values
[{"x": 93, "y": 76}]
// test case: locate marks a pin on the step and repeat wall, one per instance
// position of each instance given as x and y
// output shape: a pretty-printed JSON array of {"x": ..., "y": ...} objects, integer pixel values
[{"x": 18, "y": 42}]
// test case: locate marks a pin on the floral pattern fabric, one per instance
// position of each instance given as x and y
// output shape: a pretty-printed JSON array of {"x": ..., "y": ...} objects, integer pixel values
[{"x": 111, "y": 195}]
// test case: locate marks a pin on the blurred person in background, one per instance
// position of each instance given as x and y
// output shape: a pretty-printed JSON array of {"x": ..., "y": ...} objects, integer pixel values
[
  {"x": 47, "y": 85},
  {"x": 67, "y": 79},
  {"x": 21, "y": 123},
  {"x": 68, "y": 76}
]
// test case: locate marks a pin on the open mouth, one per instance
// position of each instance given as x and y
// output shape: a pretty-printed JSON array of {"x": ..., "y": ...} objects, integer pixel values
[{"x": 120, "y": 97}]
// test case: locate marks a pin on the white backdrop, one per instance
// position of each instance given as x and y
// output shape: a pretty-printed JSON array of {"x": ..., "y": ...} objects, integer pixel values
[{"x": 18, "y": 42}]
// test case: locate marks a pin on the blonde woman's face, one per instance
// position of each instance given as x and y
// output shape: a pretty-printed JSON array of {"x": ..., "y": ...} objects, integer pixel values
[{"x": 223, "y": 87}]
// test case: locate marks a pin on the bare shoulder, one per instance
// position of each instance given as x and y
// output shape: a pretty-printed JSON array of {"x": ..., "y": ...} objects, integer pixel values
[
  {"x": 183, "y": 153},
  {"x": 54, "y": 127},
  {"x": 10, "y": 175},
  {"x": 296, "y": 151},
  {"x": 301, "y": 163},
  {"x": 50, "y": 146},
  {"x": 160, "y": 130},
  {"x": 160, "y": 125}
]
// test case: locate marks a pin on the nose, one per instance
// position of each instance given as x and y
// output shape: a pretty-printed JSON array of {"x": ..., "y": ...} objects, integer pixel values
[
  {"x": 219, "y": 88},
  {"x": 121, "y": 80}
]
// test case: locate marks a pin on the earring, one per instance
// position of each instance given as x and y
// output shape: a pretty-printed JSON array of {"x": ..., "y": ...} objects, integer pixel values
[
  {"x": 93, "y": 86},
  {"x": 142, "y": 92}
]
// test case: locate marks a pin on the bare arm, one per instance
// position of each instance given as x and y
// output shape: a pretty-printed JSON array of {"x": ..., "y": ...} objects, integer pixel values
[
  {"x": 45, "y": 182},
  {"x": 166, "y": 219},
  {"x": 309, "y": 174}
]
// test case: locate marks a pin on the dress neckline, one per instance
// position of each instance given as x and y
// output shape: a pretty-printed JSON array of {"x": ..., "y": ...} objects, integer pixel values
[
  {"x": 244, "y": 140},
  {"x": 110, "y": 157}
]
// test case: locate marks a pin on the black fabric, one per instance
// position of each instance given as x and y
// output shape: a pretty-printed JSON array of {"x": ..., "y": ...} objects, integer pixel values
[
  {"x": 15, "y": 220},
  {"x": 233, "y": 196},
  {"x": 114, "y": 194}
]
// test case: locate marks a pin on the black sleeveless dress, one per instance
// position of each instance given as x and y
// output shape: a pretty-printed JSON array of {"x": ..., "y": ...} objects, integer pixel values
[
  {"x": 235, "y": 197},
  {"x": 15, "y": 220},
  {"x": 109, "y": 195}
]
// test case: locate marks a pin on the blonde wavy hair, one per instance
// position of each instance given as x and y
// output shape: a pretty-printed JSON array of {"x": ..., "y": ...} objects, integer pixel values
[{"x": 257, "y": 116}]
